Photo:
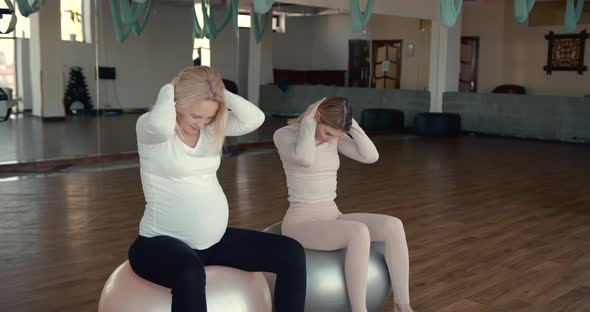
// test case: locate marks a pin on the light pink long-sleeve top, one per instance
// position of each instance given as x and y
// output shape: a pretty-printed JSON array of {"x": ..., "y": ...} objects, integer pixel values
[{"x": 311, "y": 167}]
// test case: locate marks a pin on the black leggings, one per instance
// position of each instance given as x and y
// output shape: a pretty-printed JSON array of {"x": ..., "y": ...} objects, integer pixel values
[{"x": 168, "y": 262}]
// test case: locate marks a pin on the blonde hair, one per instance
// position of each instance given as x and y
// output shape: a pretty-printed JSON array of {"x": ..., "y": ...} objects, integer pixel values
[
  {"x": 335, "y": 112},
  {"x": 196, "y": 84}
]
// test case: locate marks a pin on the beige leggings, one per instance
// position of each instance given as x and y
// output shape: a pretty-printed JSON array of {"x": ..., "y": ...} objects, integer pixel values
[{"x": 321, "y": 226}]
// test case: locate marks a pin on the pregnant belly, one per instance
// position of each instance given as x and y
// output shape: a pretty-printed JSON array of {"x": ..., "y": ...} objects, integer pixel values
[{"x": 198, "y": 218}]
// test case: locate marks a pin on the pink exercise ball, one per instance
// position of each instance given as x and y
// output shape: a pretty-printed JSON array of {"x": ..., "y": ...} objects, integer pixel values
[{"x": 228, "y": 289}]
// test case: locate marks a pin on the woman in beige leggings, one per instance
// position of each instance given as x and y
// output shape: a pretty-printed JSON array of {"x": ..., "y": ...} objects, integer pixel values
[{"x": 309, "y": 148}]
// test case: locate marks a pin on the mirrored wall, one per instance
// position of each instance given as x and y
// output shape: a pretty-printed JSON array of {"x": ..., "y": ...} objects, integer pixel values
[{"x": 81, "y": 83}]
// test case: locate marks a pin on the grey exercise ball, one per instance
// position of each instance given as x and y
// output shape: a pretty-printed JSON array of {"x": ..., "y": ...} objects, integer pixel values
[{"x": 326, "y": 285}]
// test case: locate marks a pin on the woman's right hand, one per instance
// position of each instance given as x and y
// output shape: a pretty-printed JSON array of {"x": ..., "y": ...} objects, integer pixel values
[
  {"x": 166, "y": 95},
  {"x": 313, "y": 108}
]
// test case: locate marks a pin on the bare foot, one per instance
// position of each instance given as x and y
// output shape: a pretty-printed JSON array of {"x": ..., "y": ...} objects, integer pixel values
[{"x": 402, "y": 308}]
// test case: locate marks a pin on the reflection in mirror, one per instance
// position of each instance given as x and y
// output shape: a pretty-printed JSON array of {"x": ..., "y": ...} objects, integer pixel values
[
  {"x": 370, "y": 67},
  {"x": 332, "y": 54},
  {"x": 103, "y": 65}
]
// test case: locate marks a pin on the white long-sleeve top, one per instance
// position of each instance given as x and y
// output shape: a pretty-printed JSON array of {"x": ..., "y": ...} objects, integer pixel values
[
  {"x": 183, "y": 197},
  {"x": 310, "y": 167}
]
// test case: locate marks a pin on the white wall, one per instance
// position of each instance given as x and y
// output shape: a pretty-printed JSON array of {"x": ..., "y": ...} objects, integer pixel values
[
  {"x": 526, "y": 54},
  {"x": 415, "y": 69},
  {"x": 45, "y": 54},
  {"x": 244, "y": 46},
  {"x": 224, "y": 50},
  {"x": 82, "y": 55},
  {"x": 293, "y": 49},
  {"x": 266, "y": 45},
  {"x": 511, "y": 53},
  {"x": 330, "y": 42},
  {"x": 444, "y": 62},
  {"x": 35, "y": 66},
  {"x": 23, "y": 69},
  {"x": 143, "y": 64},
  {"x": 73, "y": 54},
  {"x": 322, "y": 44},
  {"x": 485, "y": 19},
  {"x": 232, "y": 56},
  {"x": 260, "y": 68}
]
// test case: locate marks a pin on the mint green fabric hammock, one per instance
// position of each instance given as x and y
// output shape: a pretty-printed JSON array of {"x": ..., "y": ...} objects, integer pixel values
[
  {"x": 449, "y": 11},
  {"x": 358, "y": 20},
  {"x": 262, "y": 6},
  {"x": 256, "y": 27},
  {"x": 572, "y": 15},
  {"x": 209, "y": 29},
  {"x": 522, "y": 9},
  {"x": 27, "y": 8},
  {"x": 126, "y": 17}
]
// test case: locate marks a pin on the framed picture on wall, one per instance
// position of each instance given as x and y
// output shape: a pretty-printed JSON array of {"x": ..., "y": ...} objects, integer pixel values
[{"x": 566, "y": 52}]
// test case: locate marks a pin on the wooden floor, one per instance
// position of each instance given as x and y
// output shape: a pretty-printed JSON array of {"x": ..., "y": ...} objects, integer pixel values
[{"x": 492, "y": 224}]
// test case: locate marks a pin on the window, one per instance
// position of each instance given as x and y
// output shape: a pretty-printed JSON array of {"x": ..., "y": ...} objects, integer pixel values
[
  {"x": 244, "y": 21},
  {"x": 75, "y": 20},
  {"x": 278, "y": 22},
  {"x": 8, "y": 48},
  {"x": 201, "y": 47},
  {"x": 7, "y": 63}
]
